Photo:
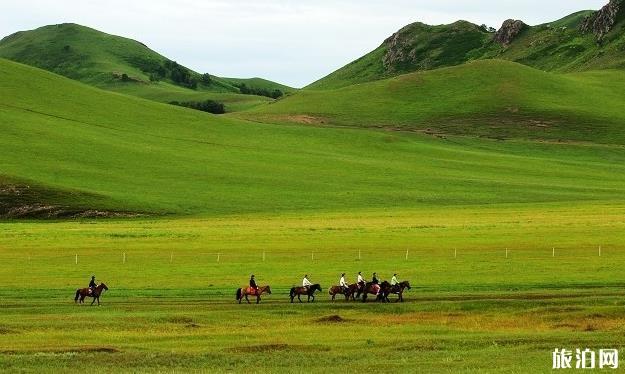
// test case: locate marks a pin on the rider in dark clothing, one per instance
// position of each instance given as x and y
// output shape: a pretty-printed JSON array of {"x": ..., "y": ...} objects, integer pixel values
[
  {"x": 253, "y": 283},
  {"x": 374, "y": 279},
  {"x": 92, "y": 284}
]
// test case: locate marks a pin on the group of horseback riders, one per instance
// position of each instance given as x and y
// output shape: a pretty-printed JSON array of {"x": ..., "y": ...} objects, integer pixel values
[{"x": 380, "y": 289}]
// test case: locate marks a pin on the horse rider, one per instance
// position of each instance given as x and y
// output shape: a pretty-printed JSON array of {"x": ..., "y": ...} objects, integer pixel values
[
  {"x": 306, "y": 283},
  {"x": 361, "y": 280},
  {"x": 92, "y": 285},
  {"x": 253, "y": 284},
  {"x": 343, "y": 283},
  {"x": 394, "y": 281},
  {"x": 376, "y": 282}
]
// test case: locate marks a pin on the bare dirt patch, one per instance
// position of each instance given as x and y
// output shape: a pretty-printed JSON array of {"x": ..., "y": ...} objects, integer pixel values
[{"x": 332, "y": 319}]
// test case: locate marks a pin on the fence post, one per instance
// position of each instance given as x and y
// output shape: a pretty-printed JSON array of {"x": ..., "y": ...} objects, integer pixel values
[
  {"x": 218, "y": 255},
  {"x": 263, "y": 256},
  {"x": 506, "y": 252},
  {"x": 76, "y": 259},
  {"x": 599, "y": 251},
  {"x": 406, "y": 254},
  {"x": 124, "y": 261},
  {"x": 455, "y": 252}
]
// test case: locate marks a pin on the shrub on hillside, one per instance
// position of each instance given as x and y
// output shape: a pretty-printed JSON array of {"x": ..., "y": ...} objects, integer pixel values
[
  {"x": 209, "y": 106},
  {"x": 274, "y": 94}
]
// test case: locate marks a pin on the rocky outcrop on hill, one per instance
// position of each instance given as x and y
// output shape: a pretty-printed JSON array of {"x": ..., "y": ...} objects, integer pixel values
[
  {"x": 602, "y": 22},
  {"x": 398, "y": 49},
  {"x": 509, "y": 31}
]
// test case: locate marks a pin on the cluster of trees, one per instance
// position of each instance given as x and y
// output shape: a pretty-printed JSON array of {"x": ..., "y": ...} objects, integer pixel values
[
  {"x": 274, "y": 94},
  {"x": 179, "y": 74},
  {"x": 209, "y": 106},
  {"x": 489, "y": 29}
]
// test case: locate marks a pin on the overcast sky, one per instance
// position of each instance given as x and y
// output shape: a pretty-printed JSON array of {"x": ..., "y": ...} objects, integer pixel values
[{"x": 292, "y": 42}]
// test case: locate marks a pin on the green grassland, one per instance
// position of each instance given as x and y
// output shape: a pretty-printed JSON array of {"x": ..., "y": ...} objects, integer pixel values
[
  {"x": 117, "y": 147},
  {"x": 491, "y": 98},
  {"x": 496, "y": 188},
  {"x": 171, "y": 304},
  {"x": 100, "y": 59}
]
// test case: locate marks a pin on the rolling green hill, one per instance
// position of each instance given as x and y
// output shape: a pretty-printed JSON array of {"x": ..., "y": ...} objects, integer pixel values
[
  {"x": 571, "y": 44},
  {"x": 123, "y": 65},
  {"x": 490, "y": 98},
  {"x": 82, "y": 148}
]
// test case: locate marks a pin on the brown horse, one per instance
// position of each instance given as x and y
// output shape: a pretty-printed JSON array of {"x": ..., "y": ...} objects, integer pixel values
[
  {"x": 380, "y": 290},
  {"x": 398, "y": 289},
  {"x": 299, "y": 291},
  {"x": 244, "y": 292},
  {"x": 85, "y": 292},
  {"x": 350, "y": 292}
]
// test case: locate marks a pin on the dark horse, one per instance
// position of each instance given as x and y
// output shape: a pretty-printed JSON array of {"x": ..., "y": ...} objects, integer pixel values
[
  {"x": 310, "y": 291},
  {"x": 381, "y": 293},
  {"x": 350, "y": 292},
  {"x": 84, "y": 292},
  {"x": 398, "y": 289},
  {"x": 249, "y": 291}
]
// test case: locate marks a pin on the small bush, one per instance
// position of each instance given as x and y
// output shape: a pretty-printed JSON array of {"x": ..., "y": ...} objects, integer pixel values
[{"x": 209, "y": 106}]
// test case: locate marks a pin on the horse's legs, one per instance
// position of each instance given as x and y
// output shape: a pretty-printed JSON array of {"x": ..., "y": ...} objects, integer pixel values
[
  {"x": 257, "y": 299},
  {"x": 333, "y": 296},
  {"x": 299, "y": 297},
  {"x": 246, "y": 299},
  {"x": 93, "y": 301}
]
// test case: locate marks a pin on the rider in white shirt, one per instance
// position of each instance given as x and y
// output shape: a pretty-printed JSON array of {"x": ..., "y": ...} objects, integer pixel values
[
  {"x": 361, "y": 279},
  {"x": 343, "y": 282},
  {"x": 394, "y": 281},
  {"x": 305, "y": 282}
]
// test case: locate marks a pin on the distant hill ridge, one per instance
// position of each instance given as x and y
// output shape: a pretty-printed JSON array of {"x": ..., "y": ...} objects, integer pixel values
[
  {"x": 126, "y": 65},
  {"x": 586, "y": 40}
]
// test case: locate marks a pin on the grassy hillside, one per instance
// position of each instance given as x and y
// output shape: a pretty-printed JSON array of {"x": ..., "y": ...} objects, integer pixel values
[
  {"x": 556, "y": 46},
  {"x": 491, "y": 98},
  {"x": 415, "y": 47},
  {"x": 123, "y": 65},
  {"x": 137, "y": 155},
  {"x": 260, "y": 83}
]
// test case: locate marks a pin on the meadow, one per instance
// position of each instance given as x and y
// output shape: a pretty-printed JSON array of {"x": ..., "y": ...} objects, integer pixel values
[
  {"x": 513, "y": 247},
  {"x": 171, "y": 303}
]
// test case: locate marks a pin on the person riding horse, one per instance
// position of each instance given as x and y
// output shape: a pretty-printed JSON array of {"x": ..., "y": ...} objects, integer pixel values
[
  {"x": 253, "y": 284},
  {"x": 394, "y": 281},
  {"x": 343, "y": 283},
  {"x": 361, "y": 281},
  {"x": 306, "y": 283},
  {"x": 376, "y": 282},
  {"x": 92, "y": 285}
]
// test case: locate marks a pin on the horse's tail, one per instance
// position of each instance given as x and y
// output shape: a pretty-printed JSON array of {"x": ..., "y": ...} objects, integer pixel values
[
  {"x": 77, "y": 295},
  {"x": 238, "y": 294}
]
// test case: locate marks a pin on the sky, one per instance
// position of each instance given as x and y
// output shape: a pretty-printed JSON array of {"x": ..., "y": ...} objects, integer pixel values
[{"x": 293, "y": 42}]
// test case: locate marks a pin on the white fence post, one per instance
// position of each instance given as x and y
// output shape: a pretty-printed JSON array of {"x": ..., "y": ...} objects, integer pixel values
[
  {"x": 406, "y": 254},
  {"x": 76, "y": 261}
]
